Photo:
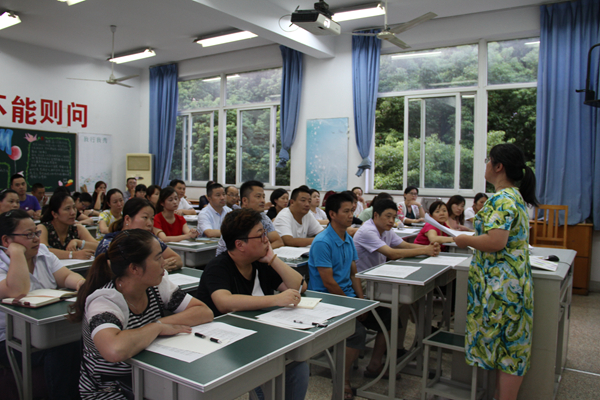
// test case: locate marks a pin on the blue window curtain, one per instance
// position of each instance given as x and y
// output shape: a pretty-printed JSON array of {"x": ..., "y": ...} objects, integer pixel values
[
  {"x": 365, "y": 78},
  {"x": 291, "y": 90},
  {"x": 163, "y": 118},
  {"x": 567, "y": 143}
]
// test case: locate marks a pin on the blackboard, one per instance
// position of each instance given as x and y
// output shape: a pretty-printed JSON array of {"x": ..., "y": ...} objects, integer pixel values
[{"x": 44, "y": 157}]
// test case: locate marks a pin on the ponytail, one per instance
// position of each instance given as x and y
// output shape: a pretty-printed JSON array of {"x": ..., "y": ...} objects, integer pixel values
[
  {"x": 527, "y": 187},
  {"x": 98, "y": 276}
]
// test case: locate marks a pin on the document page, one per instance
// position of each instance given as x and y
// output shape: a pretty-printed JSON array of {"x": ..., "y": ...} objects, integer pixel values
[
  {"x": 182, "y": 279},
  {"x": 540, "y": 263},
  {"x": 394, "y": 271},
  {"x": 302, "y": 318},
  {"x": 406, "y": 230},
  {"x": 443, "y": 260},
  {"x": 451, "y": 232},
  {"x": 291, "y": 252}
]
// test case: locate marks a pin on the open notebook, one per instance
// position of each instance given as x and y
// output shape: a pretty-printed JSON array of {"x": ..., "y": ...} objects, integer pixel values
[{"x": 39, "y": 298}]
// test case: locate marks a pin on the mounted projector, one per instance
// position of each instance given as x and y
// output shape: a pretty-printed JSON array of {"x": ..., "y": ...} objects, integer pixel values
[{"x": 317, "y": 21}]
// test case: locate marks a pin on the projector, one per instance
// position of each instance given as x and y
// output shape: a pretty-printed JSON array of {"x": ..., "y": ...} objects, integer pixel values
[{"x": 317, "y": 21}]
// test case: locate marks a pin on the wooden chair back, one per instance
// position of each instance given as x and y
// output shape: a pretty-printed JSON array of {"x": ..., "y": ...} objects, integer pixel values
[{"x": 547, "y": 231}]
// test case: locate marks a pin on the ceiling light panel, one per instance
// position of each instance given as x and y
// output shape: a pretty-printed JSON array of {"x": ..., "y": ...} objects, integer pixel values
[
  {"x": 228, "y": 38},
  {"x": 133, "y": 57},
  {"x": 9, "y": 19},
  {"x": 369, "y": 11}
]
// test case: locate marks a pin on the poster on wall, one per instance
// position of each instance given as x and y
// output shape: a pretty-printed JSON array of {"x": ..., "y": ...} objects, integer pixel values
[
  {"x": 40, "y": 156},
  {"x": 327, "y": 154},
  {"x": 95, "y": 160}
]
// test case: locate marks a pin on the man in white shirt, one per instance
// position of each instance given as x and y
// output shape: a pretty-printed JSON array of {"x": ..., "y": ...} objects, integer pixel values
[
  {"x": 211, "y": 216},
  {"x": 184, "y": 207},
  {"x": 295, "y": 224}
]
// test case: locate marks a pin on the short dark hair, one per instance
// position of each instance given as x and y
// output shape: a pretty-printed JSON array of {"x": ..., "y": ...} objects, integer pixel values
[
  {"x": 10, "y": 220},
  {"x": 381, "y": 196},
  {"x": 229, "y": 187},
  {"x": 434, "y": 206},
  {"x": 352, "y": 194},
  {"x": 151, "y": 189},
  {"x": 383, "y": 205},
  {"x": 311, "y": 191},
  {"x": 248, "y": 187},
  {"x": 210, "y": 188},
  {"x": 276, "y": 194},
  {"x": 141, "y": 188},
  {"x": 237, "y": 225},
  {"x": 62, "y": 189},
  {"x": 175, "y": 182},
  {"x": 356, "y": 187},
  {"x": 16, "y": 176},
  {"x": 411, "y": 188},
  {"x": 164, "y": 195},
  {"x": 298, "y": 190},
  {"x": 37, "y": 186},
  {"x": 82, "y": 197},
  {"x": 130, "y": 178},
  {"x": 479, "y": 196},
  {"x": 334, "y": 202}
]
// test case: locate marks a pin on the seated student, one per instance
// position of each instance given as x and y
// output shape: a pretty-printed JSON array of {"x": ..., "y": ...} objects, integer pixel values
[
  {"x": 456, "y": 213},
  {"x": 140, "y": 191},
  {"x": 478, "y": 203},
  {"x": 39, "y": 192},
  {"x": 203, "y": 200},
  {"x": 121, "y": 308},
  {"x": 27, "y": 202},
  {"x": 113, "y": 208},
  {"x": 315, "y": 210},
  {"x": 130, "y": 192},
  {"x": 168, "y": 226},
  {"x": 9, "y": 200},
  {"x": 295, "y": 224},
  {"x": 83, "y": 204},
  {"x": 139, "y": 214},
  {"x": 211, "y": 216},
  {"x": 375, "y": 241},
  {"x": 232, "y": 197},
  {"x": 32, "y": 266},
  {"x": 246, "y": 276},
  {"x": 183, "y": 208},
  {"x": 99, "y": 196},
  {"x": 64, "y": 238},
  {"x": 356, "y": 222},
  {"x": 152, "y": 194},
  {"x": 361, "y": 205},
  {"x": 411, "y": 211},
  {"x": 429, "y": 233},
  {"x": 279, "y": 200},
  {"x": 367, "y": 214},
  {"x": 253, "y": 197},
  {"x": 332, "y": 269}
]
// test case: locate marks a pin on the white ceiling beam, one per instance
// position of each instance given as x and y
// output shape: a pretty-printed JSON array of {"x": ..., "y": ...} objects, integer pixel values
[{"x": 262, "y": 18}]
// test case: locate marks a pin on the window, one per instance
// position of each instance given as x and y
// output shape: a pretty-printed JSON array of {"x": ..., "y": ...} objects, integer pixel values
[
  {"x": 248, "y": 104},
  {"x": 426, "y": 133}
]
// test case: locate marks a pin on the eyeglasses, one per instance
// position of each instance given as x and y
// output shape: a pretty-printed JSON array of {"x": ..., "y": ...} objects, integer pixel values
[
  {"x": 30, "y": 235},
  {"x": 263, "y": 236},
  {"x": 414, "y": 194}
]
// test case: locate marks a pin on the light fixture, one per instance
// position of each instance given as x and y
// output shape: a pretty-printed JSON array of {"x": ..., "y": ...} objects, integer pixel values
[
  {"x": 363, "y": 11},
  {"x": 71, "y": 2},
  {"x": 536, "y": 43},
  {"x": 416, "y": 55},
  {"x": 226, "y": 38},
  {"x": 133, "y": 57},
  {"x": 9, "y": 19}
]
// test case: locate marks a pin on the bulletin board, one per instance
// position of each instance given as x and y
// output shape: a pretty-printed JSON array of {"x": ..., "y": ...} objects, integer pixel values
[
  {"x": 327, "y": 154},
  {"x": 45, "y": 157}
]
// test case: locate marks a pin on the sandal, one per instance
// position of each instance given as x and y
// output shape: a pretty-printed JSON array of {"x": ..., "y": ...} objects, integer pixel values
[{"x": 349, "y": 392}]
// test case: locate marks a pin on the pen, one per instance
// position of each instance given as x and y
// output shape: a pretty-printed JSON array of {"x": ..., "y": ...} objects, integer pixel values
[
  {"x": 199, "y": 335},
  {"x": 301, "y": 284},
  {"x": 298, "y": 322},
  {"x": 215, "y": 340}
]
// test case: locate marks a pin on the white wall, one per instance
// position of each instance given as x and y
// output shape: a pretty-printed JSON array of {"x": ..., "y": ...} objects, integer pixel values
[{"x": 39, "y": 73}]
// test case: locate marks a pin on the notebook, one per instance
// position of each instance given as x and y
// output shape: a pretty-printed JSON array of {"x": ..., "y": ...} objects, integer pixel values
[{"x": 39, "y": 298}]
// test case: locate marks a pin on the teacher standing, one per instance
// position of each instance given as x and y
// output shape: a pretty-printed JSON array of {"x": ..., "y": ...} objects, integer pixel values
[{"x": 500, "y": 288}]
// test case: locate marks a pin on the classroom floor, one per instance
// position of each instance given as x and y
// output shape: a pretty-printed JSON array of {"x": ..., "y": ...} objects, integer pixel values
[{"x": 580, "y": 380}]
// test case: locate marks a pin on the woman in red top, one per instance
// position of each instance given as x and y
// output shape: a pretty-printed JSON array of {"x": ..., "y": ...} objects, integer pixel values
[
  {"x": 430, "y": 234},
  {"x": 168, "y": 226}
]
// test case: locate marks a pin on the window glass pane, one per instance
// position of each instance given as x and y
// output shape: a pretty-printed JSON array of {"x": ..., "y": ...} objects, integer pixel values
[
  {"x": 201, "y": 132},
  {"x": 430, "y": 69},
  {"x": 255, "y": 144},
  {"x": 414, "y": 143},
  {"x": 440, "y": 119},
  {"x": 513, "y": 61},
  {"x": 199, "y": 93},
  {"x": 215, "y": 147},
  {"x": 231, "y": 147},
  {"x": 177, "y": 162},
  {"x": 282, "y": 175},
  {"x": 467, "y": 131},
  {"x": 254, "y": 87},
  {"x": 389, "y": 143}
]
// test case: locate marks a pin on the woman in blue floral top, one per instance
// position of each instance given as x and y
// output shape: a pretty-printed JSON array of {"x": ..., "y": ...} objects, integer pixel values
[{"x": 500, "y": 291}]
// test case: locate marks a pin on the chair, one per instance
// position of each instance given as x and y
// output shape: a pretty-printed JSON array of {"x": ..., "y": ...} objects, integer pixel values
[{"x": 546, "y": 232}]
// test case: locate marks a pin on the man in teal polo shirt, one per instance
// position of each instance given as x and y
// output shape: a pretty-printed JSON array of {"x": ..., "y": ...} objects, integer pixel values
[{"x": 332, "y": 269}]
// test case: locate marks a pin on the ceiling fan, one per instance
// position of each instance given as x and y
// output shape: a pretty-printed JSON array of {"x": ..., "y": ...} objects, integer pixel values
[
  {"x": 112, "y": 80},
  {"x": 389, "y": 33}
]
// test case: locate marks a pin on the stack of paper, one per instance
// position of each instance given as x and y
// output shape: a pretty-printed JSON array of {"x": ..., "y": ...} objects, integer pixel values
[
  {"x": 292, "y": 252},
  {"x": 539, "y": 262},
  {"x": 393, "y": 270},
  {"x": 183, "y": 279},
  {"x": 444, "y": 260},
  {"x": 301, "y": 318}
]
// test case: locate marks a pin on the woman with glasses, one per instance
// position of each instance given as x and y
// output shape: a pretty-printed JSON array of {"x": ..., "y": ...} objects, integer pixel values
[
  {"x": 64, "y": 238},
  {"x": 410, "y": 210},
  {"x": 500, "y": 286},
  {"x": 26, "y": 265}
]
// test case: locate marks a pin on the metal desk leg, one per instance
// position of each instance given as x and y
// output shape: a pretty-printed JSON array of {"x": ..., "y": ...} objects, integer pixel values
[
  {"x": 138, "y": 383},
  {"x": 338, "y": 373},
  {"x": 22, "y": 378}
]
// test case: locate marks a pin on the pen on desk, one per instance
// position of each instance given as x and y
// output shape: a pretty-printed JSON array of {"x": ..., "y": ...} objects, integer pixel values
[
  {"x": 215, "y": 340},
  {"x": 298, "y": 322},
  {"x": 199, "y": 335}
]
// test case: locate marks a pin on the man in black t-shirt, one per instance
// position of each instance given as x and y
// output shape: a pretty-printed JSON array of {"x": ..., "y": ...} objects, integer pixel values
[{"x": 246, "y": 276}]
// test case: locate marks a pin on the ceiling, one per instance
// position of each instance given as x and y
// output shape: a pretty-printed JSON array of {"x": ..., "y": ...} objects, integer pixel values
[{"x": 169, "y": 26}]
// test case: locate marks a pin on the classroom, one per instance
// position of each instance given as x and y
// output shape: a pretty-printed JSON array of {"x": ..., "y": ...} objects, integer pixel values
[{"x": 53, "y": 55}]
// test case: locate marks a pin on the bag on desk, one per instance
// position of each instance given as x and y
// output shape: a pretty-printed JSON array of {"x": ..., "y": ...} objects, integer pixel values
[{"x": 39, "y": 298}]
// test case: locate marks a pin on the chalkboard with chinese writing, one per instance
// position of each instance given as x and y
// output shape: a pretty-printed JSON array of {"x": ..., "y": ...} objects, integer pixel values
[{"x": 42, "y": 157}]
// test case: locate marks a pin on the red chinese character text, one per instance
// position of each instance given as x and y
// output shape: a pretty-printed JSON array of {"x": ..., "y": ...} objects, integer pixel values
[
  {"x": 2, "y": 110},
  {"x": 23, "y": 111},
  {"x": 51, "y": 111},
  {"x": 77, "y": 113}
]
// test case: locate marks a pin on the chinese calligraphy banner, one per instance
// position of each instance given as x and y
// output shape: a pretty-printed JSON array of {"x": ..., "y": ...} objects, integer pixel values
[
  {"x": 95, "y": 160},
  {"x": 42, "y": 157}
]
